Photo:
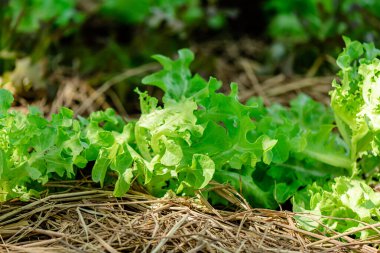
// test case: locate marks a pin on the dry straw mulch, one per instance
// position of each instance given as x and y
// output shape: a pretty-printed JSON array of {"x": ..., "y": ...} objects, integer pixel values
[{"x": 88, "y": 220}]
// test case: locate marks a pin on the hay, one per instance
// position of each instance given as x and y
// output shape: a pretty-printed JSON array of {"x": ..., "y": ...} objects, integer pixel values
[{"x": 85, "y": 220}]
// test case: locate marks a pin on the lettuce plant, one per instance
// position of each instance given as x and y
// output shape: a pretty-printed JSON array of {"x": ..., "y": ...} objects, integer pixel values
[
  {"x": 355, "y": 99},
  {"x": 198, "y": 134},
  {"x": 355, "y": 103},
  {"x": 342, "y": 205},
  {"x": 325, "y": 157}
]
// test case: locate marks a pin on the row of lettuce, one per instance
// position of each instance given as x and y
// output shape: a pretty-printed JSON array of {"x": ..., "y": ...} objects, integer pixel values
[{"x": 325, "y": 159}]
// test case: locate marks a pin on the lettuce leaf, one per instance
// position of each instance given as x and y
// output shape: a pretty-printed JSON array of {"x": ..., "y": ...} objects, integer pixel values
[{"x": 348, "y": 203}]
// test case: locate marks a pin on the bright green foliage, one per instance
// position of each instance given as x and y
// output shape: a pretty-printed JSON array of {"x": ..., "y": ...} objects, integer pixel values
[
  {"x": 305, "y": 129},
  {"x": 227, "y": 139},
  {"x": 175, "y": 79},
  {"x": 108, "y": 136},
  {"x": 269, "y": 154},
  {"x": 355, "y": 99},
  {"x": 34, "y": 149},
  {"x": 162, "y": 136},
  {"x": 306, "y": 149},
  {"x": 224, "y": 123},
  {"x": 355, "y": 102},
  {"x": 349, "y": 199}
]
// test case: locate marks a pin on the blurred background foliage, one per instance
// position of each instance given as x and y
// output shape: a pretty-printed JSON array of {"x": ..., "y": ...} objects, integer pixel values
[
  {"x": 312, "y": 28},
  {"x": 48, "y": 45}
]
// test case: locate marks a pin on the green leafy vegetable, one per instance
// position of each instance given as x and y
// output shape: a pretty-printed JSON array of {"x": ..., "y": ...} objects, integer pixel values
[
  {"x": 355, "y": 99},
  {"x": 355, "y": 102},
  {"x": 198, "y": 134},
  {"x": 259, "y": 151},
  {"x": 35, "y": 149},
  {"x": 351, "y": 201}
]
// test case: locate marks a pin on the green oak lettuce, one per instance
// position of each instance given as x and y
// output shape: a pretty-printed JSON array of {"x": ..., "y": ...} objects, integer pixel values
[
  {"x": 355, "y": 101},
  {"x": 162, "y": 135},
  {"x": 266, "y": 153},
  {"x": 199, "y": 134},
  {"x": 342, "y": 205},
  {"x": 34, "y": 149}
]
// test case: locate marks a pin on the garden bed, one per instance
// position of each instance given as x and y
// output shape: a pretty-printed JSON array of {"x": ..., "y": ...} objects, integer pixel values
[
  {"x": 84, "y": 219},
  {"x": 93, "y": 161}
]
